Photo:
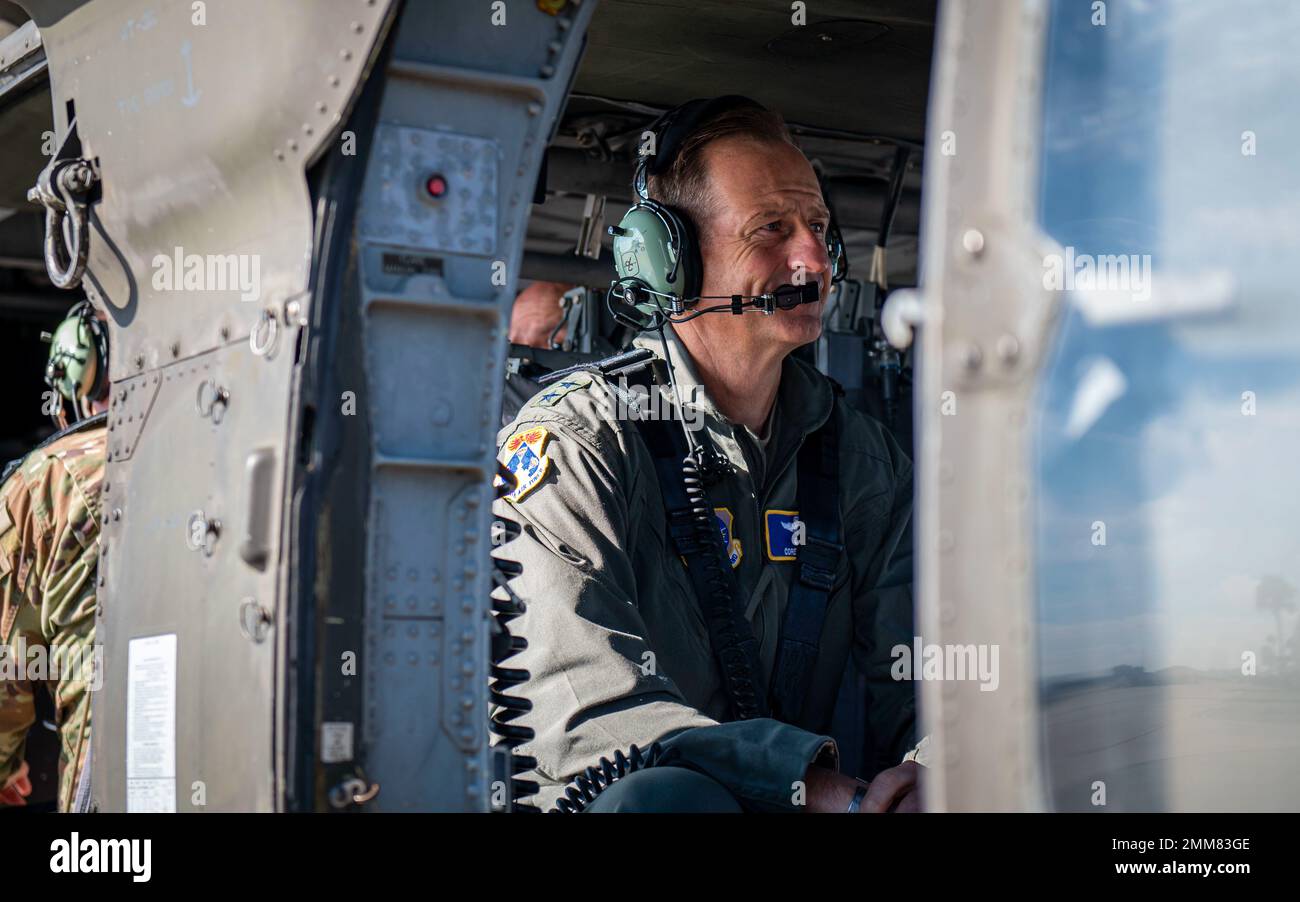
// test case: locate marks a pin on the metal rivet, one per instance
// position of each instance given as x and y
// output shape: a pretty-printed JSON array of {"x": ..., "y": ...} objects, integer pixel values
[{"x": 1008, "y": 349}]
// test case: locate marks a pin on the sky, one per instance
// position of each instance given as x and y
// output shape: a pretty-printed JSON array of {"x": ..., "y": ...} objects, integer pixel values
[{"x": 1141, "y": 425}]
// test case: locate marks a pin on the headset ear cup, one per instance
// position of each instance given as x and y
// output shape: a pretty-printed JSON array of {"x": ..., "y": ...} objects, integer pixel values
[
  {"x": 835, "y": 251},
  {"x": 98, "y": 345}
]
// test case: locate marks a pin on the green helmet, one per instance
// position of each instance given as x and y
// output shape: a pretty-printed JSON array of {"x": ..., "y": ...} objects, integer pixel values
[{"x": 78, "y": 364}]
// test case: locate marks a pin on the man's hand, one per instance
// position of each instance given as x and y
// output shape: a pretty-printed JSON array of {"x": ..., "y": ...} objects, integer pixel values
[
  {"x": 17, "y": 788},
  {"x": 897, "y": 789}
]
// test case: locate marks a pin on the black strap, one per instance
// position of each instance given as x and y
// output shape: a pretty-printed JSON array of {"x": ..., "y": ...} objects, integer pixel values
[
  {"x": 815, "y": 563},
  {"x": 625, "y": 362},
  {"x": 693, "y": 530}
]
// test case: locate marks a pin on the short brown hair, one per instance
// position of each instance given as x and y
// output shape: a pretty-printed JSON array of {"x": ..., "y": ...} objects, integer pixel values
[{"x": 685, "y": 185}]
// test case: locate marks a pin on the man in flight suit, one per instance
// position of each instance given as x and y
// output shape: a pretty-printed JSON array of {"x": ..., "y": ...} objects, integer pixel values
[{"x": 618, "y": 649}]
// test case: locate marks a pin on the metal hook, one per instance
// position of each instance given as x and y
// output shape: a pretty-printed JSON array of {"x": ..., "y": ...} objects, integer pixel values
[
  {"x": 61, "y": 188},
  {"x": 352, "y": 791},
  {"x": 269, "y": 325}
]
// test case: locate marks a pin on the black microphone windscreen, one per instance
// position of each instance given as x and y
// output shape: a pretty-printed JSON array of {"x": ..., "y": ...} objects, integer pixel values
[{"x": 790, "y": 296}]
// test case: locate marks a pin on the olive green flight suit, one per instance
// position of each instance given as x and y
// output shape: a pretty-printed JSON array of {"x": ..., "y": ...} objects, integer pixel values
[{"x": 618, "y": 653}]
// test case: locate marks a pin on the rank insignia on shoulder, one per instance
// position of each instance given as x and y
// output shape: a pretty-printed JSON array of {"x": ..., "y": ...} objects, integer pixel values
[
  {"x": 784, "y": 533},
  {"x": 732, "y": 544},
  {"x": 557, "y": 391},
  {"x": 527, "y": 460}
]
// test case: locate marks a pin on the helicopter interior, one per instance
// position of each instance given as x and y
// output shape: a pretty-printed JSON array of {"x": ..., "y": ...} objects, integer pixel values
[{"x": 850, "y": 77}]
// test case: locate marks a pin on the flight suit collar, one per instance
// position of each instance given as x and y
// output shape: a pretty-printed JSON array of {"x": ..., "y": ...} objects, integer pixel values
[
  {"x": 803, "y": 399},
  {"x": 690, "y": 388}
]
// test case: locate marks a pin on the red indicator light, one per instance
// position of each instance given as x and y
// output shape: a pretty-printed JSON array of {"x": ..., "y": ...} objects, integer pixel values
[{"x": 436, "y": 186}]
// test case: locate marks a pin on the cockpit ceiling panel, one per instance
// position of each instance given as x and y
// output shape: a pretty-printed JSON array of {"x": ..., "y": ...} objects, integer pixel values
[{"x": 856, "y": 65}]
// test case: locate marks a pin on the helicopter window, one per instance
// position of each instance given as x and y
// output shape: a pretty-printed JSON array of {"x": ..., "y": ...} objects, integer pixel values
[{"x": 1168, "y": 418}]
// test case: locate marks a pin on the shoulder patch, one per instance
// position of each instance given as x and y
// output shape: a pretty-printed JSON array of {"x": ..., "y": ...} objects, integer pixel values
[
  {"x": 555, "y": 392},
  {"x": 726, "y": 523},
  {"x": 526, "y": 460}
]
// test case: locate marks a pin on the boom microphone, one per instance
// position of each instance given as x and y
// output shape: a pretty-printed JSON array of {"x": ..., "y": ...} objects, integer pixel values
[
  {"x": 786, "y": 297},
  {"x": 790, "y": 296}
]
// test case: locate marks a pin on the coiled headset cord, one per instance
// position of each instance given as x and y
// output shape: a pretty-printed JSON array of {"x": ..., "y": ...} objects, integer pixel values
[
  {"x": 729, "y": 633},
  {"x": 506, "y": 606},
  {"x": 583, "y": 789}
]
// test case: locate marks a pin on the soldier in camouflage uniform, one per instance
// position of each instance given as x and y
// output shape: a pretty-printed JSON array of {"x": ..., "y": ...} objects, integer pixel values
[{"x": 49, "y": 547}]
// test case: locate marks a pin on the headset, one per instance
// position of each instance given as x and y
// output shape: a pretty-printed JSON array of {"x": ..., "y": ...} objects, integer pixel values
[
  {"x": 656, "y": 247},
  {"x": 77, "y": 369}
]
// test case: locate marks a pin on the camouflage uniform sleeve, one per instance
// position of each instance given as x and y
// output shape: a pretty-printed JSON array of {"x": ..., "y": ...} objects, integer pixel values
[
  {"x": 587, "y": 641},
  {"x": 47, "y": 594},
  {"x": 879, "y": 530},
  {"x": 17, "y": 708}
]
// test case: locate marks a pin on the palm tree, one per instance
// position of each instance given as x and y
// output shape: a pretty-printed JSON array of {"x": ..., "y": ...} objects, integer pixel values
[{"x": 1277, "y": 595}]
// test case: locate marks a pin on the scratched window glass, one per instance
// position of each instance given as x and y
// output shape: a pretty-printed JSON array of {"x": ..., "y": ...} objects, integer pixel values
[{"x": 1167, "y": 421}]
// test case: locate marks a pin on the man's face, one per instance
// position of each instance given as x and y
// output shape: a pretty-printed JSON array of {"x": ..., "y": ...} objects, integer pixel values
[{"x": 768, "y": 229}]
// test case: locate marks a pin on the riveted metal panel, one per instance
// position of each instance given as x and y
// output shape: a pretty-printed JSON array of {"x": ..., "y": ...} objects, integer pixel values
[
  {"x": 464, "y": 220},
  {"x": 475, "y": 103},
  {"x": 197, "y": 153},
  {"x": 201, "y": 162},
  {"x": 184, "y": 466},
  {"x": 445, "y": 416}
]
